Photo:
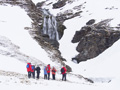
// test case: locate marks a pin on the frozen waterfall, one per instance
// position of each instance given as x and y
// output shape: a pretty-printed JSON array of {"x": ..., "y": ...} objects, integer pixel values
[{"x": 50, "y": 25}]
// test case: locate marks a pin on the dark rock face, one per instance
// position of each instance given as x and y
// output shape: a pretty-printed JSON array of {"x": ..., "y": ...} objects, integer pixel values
[
  {"x": 79, "y": 34},
  {"x": 59, "y": 4},
  {"x": 90, "y": 22},
  {"x": 61, "y": 29},
  {"x": 93, "y": 40},
  {"x": 39, "y": 4}
]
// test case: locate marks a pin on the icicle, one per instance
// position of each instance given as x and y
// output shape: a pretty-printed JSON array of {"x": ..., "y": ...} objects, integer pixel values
[
  {"x": 44, "y": 26},
  {"x": 50, "y": 25}
]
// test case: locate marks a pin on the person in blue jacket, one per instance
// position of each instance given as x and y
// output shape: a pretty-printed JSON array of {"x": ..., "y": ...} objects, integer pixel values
[{"x": 45, "y": 72}]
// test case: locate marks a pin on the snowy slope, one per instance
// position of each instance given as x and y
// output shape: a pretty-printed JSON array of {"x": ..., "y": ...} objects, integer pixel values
[
  {"x": 106, "y": 64},
  {"x": 15, "y": 39},
  {"x": 12, "y": 27}
]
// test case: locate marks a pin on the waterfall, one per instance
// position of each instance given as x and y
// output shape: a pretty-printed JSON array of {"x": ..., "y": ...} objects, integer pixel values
[{"x": 50, "y": 25}]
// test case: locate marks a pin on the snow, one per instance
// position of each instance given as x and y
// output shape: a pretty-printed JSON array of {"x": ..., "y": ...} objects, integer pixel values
[
  {"x": 13, "y": 65},
  {"x": 104, "y": 69},
  {"x": 66, "y": 39},
  {"x": 13, "y": 28}
]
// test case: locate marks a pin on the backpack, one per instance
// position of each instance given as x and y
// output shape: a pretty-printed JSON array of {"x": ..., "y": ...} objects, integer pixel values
[
  {"x": 53, "y": 71},
  {"x": 33, "y": 67},
  {"x": 27, "y": 66},
  {"x": 62, "y": 70},
  {"x": 47, "y": 68}
]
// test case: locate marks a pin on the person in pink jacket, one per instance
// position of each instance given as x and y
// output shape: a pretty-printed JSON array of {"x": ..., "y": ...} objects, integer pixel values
[
  {"x": 48, "y": 70},
  {"x": 53, "y": 73}
]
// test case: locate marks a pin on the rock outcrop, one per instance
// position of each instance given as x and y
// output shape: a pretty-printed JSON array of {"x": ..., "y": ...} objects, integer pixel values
[
  {"x": 59, "y": 4},
  {"x": 94, "y": 39}
]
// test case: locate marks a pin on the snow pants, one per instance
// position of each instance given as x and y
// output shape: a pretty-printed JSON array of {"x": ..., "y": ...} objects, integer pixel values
[
  {"x": 29, "y": 74},
  {"x": 64, "y": 77}
]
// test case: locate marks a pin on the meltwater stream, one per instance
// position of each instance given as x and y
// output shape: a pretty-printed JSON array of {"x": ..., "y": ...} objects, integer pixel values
[{"x": 50, "y": 25}]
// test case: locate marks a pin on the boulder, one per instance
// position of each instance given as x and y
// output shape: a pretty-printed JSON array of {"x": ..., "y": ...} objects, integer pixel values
[
  {"x": 59, "y": 4},
  {"x": 93, "y": 40}
]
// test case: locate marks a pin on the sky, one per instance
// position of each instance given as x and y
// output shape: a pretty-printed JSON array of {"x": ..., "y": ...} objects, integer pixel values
[{"x": 104, "y": 69}]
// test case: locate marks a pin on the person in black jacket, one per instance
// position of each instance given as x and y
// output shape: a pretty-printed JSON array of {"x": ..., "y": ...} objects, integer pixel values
[{"x": 38, "y": 71}]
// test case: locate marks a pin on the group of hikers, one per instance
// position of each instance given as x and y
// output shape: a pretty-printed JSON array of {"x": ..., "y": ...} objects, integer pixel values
[{"x": 47, "y": 69}]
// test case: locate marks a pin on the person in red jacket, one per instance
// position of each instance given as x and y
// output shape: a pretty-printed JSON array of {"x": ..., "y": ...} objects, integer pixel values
[
  {"x": 29, "y": 69},
  {"x": 33, "y": 71},
  {"x": 53, "y": 73},
  {"x": 63, "y": 71},
  {"x": 48, "y": 70}
]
